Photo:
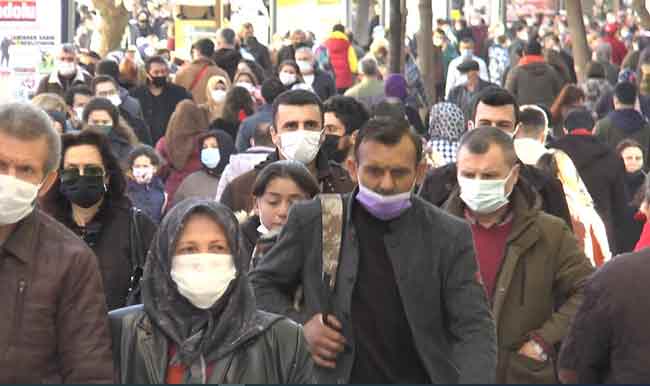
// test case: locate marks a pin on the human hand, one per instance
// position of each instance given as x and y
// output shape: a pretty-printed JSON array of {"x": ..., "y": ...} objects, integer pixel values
[{"x": 325, "y": 341}]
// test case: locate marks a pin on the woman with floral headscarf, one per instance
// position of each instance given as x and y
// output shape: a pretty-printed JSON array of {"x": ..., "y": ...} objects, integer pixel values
[
  {"x": 446, "y": 126},
  {"x": 198, "y": 322}
]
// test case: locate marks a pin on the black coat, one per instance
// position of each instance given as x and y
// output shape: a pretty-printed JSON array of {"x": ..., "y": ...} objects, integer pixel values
[
  {"x": 323, "y": 85},
  {"x": 632, "y": 230},
  {"x": 158, "y": 110},
  {"x": 603, "y": 173},
  {"x": 435, "y": 270},
  {"x": 260, "y": 53},
  {"x": 440, "y": 182},
  {"x": 228, "y": 59},
  {"x": 607, "y": 341}
]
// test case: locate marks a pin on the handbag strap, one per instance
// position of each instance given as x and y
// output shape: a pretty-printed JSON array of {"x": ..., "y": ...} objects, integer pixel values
[
  {"x": 136, "y": 254},
  {"x": 199, "y": 76},
  {"x": 332, "y": 223}
]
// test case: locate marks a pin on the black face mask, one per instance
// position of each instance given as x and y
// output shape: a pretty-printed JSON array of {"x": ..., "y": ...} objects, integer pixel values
[
  {"x": 159, "y": 81},
  {"x": 331, "y": 148},
  {"x": 84, "y": 191}
]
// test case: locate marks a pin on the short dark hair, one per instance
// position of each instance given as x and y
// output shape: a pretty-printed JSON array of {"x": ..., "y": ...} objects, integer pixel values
[
  {"x": 479, "y": 140},
  {"x": 271, "y": 88},
  {"x": 625, "y": 93},
  {"x": 108, "y": 67},
  {"x": 533, "y": 47},
  {"x": 352, "y": 113},
  {"x": 338, "y": 28},
  {"x": 388, "y": 131},
  {"x": 103, "y": 79},
  {"x": 627, "y": 143},
  {"x": 262, "y": 135},
  {"x": 147, "y": 151},
  {"x": 369, "y": 66},
  {"x": 389, "y": 108},
  {"x": 293, "y": 170},
  {"x": 228, "y": 35},
  {"x": 81, "y": 89},
  {"x": 595, "y": 70},
  {"x": 296, "y": 98},
  {"x": 154, "y": 59},
  {"x": 101, "y": 104},
  {"x": 204, "y": 46},
  {"x": 532, "y": 122},
  {"x": 495, "y": 96}
]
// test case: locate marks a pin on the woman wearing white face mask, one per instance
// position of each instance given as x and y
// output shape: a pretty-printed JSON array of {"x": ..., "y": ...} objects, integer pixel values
[
  {"x": 216, "y": 90},
  {"x": 289, "y": 74},
  {"x": 216, "y": 147},
  {"x": 145, "y": 188},
  {"x": 199, "y": 322}
]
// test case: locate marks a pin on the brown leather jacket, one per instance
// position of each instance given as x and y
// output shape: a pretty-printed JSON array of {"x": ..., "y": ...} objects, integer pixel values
[
  {"x": 54, "y": 325},
  {"x": 332, "y": 177}
]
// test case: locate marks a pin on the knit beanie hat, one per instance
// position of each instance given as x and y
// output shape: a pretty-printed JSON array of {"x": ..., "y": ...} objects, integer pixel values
[{"x": 395, "y": 86}]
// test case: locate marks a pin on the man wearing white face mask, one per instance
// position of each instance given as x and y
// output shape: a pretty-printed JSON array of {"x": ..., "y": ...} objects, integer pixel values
[
  {"x": 531, "y": 264},
  {"x": 297, "y": 132},
  {"x": 407, "y": 306},
  {"x": 66, "y": 74},
  {"x": 50, "y": 284},
  {"x": 454, "y": 77},
  {"x": 320, "y": 81}
]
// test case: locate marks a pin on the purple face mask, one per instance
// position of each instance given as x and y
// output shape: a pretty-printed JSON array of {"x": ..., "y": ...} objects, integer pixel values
[{"x": 383, "y": 207}]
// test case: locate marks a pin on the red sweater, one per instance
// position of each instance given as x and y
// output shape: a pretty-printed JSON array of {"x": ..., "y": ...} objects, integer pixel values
[
  {"x": 490, "y": 245},
  {"x": 644, "y": 240}
]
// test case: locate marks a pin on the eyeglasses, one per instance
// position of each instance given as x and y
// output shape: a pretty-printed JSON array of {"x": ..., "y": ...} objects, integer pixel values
[{"x": 73, "y": 173}]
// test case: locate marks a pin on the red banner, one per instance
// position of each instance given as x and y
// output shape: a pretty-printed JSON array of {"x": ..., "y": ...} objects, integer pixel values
[{"x": 18, "y": 10}]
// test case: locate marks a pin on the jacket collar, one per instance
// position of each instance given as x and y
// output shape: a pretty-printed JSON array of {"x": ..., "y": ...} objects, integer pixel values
[
  {"x": 529, "y": 59},
  {"x": 338, "y": 35},
  {"x": 581, "y": 132},
  {"x": 78, "y": 77},
  {"x": 22, "y": 241}
]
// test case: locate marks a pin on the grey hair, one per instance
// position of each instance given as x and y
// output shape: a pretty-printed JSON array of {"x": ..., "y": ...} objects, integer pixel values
[
  {"x": 69, "y": 48},
  {"x": 27, "y": 122},
  {"x": 369, "y": 66}
]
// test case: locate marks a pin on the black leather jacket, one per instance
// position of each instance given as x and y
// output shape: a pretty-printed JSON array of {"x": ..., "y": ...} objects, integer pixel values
[{"x": 271, "y": 350}]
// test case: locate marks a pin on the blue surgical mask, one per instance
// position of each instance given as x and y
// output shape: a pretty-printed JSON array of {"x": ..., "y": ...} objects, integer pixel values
[{"x": 210, "y": 157}]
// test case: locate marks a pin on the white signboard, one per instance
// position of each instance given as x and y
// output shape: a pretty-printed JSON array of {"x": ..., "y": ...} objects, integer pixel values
[{"x": 30, "y": 31}]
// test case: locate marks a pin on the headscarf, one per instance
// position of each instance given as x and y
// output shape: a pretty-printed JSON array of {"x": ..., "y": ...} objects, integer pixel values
[
  {"x": 215, "y": 110},
  {"x": 200, "y": 336},
  {"x": 395, "y": 86},
  {"x": 185, "y": 125},
  {"x": 226, "y": 149},
  {"x": 446, "y": 122}
]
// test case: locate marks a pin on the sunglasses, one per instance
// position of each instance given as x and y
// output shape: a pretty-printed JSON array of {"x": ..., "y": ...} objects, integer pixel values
[{"x": 73, "y": 173}]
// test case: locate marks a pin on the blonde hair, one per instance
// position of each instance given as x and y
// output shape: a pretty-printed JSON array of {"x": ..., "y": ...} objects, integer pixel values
[{"x": 50, "y": 102}]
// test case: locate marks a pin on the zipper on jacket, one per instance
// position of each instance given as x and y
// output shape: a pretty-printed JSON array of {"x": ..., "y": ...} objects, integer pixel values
[
  {"x": 20, "y": 302},
  {"x": 523, "y": 280}
]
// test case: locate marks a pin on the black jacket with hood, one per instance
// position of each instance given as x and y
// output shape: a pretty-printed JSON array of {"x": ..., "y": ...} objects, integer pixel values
[
  {"x": 621, "y": 124},
  {"x": 240, "y": 343},
  {"x": 603, "y": 173}
]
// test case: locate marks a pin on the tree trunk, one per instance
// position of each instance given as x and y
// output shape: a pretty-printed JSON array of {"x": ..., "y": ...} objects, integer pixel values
[
  {"x": 578, "y": 37},
  {"x": 396, "y": 51},
  {"x": 639, "y": 7},
  {"x": 425, "y": 49},
  {"x": 114, "y": 19},
  {"x": 362, "y": 23}
]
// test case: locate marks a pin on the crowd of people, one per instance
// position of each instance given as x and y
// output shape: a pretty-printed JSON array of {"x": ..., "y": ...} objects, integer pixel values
[{"x": 298, "y": 214}]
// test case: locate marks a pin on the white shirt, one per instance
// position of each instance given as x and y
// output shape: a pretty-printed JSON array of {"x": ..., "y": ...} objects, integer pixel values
[{"x": 455, "y": 78}]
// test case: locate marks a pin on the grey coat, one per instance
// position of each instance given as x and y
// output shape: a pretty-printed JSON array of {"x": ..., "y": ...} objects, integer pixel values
[{"x": 436, "y": 271}]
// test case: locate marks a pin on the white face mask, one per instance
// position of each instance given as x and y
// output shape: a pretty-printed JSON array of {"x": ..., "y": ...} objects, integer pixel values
[
  {"x": 300, "y": 145},
  {"x": 79, "y": 113},
  {"x": 219, "y": 96},
  {"x": 203, "y": 278},
  {"x": 17, "y": 199},
  {"x": 66, "y": 68},
  {"x": 143, "y": 175},
  {"x": 287, "y": 78},
  {"x": 309, "y": 79},
  {"x": 262, "y": 229},
  {"x": 248, "y": 86},
  {"x": 484, "y": 196},
  {"x": 305, "y": 67},
  {"x": 115, "y": 100}
]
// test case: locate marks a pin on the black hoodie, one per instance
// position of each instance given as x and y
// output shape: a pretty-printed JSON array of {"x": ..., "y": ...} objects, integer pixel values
[{"x": 603, "y": 173}]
